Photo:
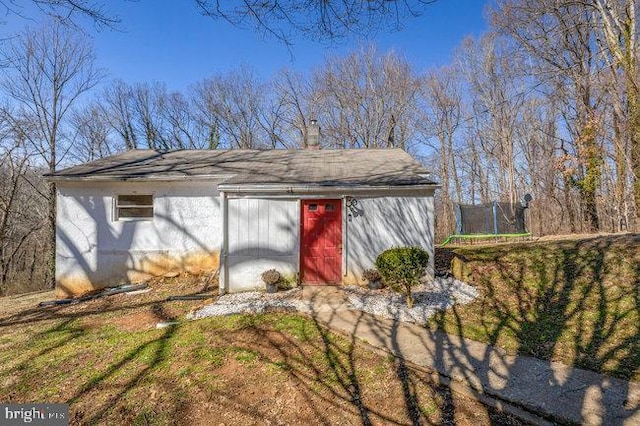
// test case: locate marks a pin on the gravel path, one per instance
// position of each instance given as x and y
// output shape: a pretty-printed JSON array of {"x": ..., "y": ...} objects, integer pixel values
[{"x": 434, "y": 296}]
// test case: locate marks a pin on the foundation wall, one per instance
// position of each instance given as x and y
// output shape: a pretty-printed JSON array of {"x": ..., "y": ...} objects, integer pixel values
[{"x": 95, "y": 250}]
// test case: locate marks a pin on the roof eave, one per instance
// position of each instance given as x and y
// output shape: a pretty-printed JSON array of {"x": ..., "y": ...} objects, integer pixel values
[
  {"x": 160, "y": 178},
  {"x": 317, "y": 189}
]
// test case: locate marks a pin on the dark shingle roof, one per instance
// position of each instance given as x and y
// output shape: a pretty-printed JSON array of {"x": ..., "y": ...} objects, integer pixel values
[{"x": 370, "y": 167}]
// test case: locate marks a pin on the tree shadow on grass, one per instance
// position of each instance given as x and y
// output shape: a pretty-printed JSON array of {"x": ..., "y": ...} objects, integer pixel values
[
  {"x": 565, "y": 304},
  {"x": 38, "y": 349},
  {"x": 409, "y": 382},
  {"x": 330, "y": 374},
  {"x": 159, "y": 349}
]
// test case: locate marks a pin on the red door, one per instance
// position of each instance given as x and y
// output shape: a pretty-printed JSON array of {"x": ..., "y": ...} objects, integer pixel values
[{"x": 321, "y": 247}]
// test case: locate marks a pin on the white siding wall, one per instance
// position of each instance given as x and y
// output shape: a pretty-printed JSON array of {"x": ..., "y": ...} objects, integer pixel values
[
  {"x": 93, "y": 250},
  {"x": 263, "y": 234},
  {"x": 384, "y": 222}
]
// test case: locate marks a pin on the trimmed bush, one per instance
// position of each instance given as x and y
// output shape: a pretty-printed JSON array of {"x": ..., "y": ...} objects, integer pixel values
[{"x": 401, "y": 268}]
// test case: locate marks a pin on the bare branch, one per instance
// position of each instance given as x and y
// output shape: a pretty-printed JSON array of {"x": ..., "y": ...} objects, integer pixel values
[{"x": 315, "y": 19}]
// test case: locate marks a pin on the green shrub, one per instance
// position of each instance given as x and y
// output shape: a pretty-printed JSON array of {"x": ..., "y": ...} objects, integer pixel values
[
  {"x": 401, "y": 268},
  {"x": 287, "y": 282}
]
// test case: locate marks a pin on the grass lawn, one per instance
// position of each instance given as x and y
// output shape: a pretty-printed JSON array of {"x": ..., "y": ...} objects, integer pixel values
[
  {"x": 575, "y": 301},
  {"x": 109, "y": 362}
]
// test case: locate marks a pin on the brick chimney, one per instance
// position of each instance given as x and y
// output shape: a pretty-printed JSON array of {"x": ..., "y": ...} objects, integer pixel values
[{"x": 313, "y": 135}]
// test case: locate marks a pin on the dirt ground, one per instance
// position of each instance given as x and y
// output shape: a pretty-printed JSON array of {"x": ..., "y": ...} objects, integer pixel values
[{"x": 107, "y": 359}]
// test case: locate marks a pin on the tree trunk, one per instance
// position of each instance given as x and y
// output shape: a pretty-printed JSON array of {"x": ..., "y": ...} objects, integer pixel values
[
  {"x": 634, "y": 131},
  {"x": 409, "y": 300},
  {"x": 567, "y": 203},
  {"x": 446, "y": 197},
  {"x": 590, "y": 153},
  {"x": 590, "y": 210},
  {"x": 621, "y": 173}
]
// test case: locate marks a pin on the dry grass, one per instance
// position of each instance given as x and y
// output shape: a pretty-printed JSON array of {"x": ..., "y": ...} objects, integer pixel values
[
  {"x": 575, "y": 301},
  {"x": 109, "y": 362}
]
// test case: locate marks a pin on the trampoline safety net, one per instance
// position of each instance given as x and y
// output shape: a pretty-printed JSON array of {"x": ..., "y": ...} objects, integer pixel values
[{"x": 491, "y": 218}]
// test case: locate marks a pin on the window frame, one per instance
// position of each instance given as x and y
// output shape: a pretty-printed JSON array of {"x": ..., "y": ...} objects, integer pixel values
[{"x": 117, "y": 207}]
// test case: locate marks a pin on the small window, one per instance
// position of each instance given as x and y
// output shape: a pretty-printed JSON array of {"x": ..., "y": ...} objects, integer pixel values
[
  {"x": 313, "y": 207},
  {"x": 134, "y": 206},
  {"x": 329, "y": 207}
]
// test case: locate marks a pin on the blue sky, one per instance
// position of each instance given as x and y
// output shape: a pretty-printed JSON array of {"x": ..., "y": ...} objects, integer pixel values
[{"x": 169, "y": 41}]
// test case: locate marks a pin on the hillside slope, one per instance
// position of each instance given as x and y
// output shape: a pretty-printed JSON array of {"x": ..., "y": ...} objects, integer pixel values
[{"x": 570, "y": 300}]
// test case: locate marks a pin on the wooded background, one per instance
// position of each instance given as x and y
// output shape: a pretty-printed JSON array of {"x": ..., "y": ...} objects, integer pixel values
[{"x": 546, "y": 102}]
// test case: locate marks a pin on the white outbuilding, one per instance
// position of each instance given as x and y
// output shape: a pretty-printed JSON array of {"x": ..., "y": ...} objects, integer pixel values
[{"x": 317, "y": 216}]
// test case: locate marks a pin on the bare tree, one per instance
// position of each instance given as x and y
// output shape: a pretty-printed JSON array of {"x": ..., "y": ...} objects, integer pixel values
[
  {"x": 536, "y": 136},
  {"x": 616, "y": 129},
  {"x": 180, "y": 123},
  {"x": 496, "y": 107},
  {"x": 616, "y": 23},
  {"x": 296, "y": 95},
  {"x": 367, "y": 100},
  {"x": 47, "y": 71},
  {"x": 559, "y": 39},
  {"x": 91, "y": 134},
  {"x": 237, "y": 103},
  {"x": 147, "y": 116},
  {"x": 22, "y": 213},
  {"x": 443, "y": 119},
  {"x": 117, "y": 106}
]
